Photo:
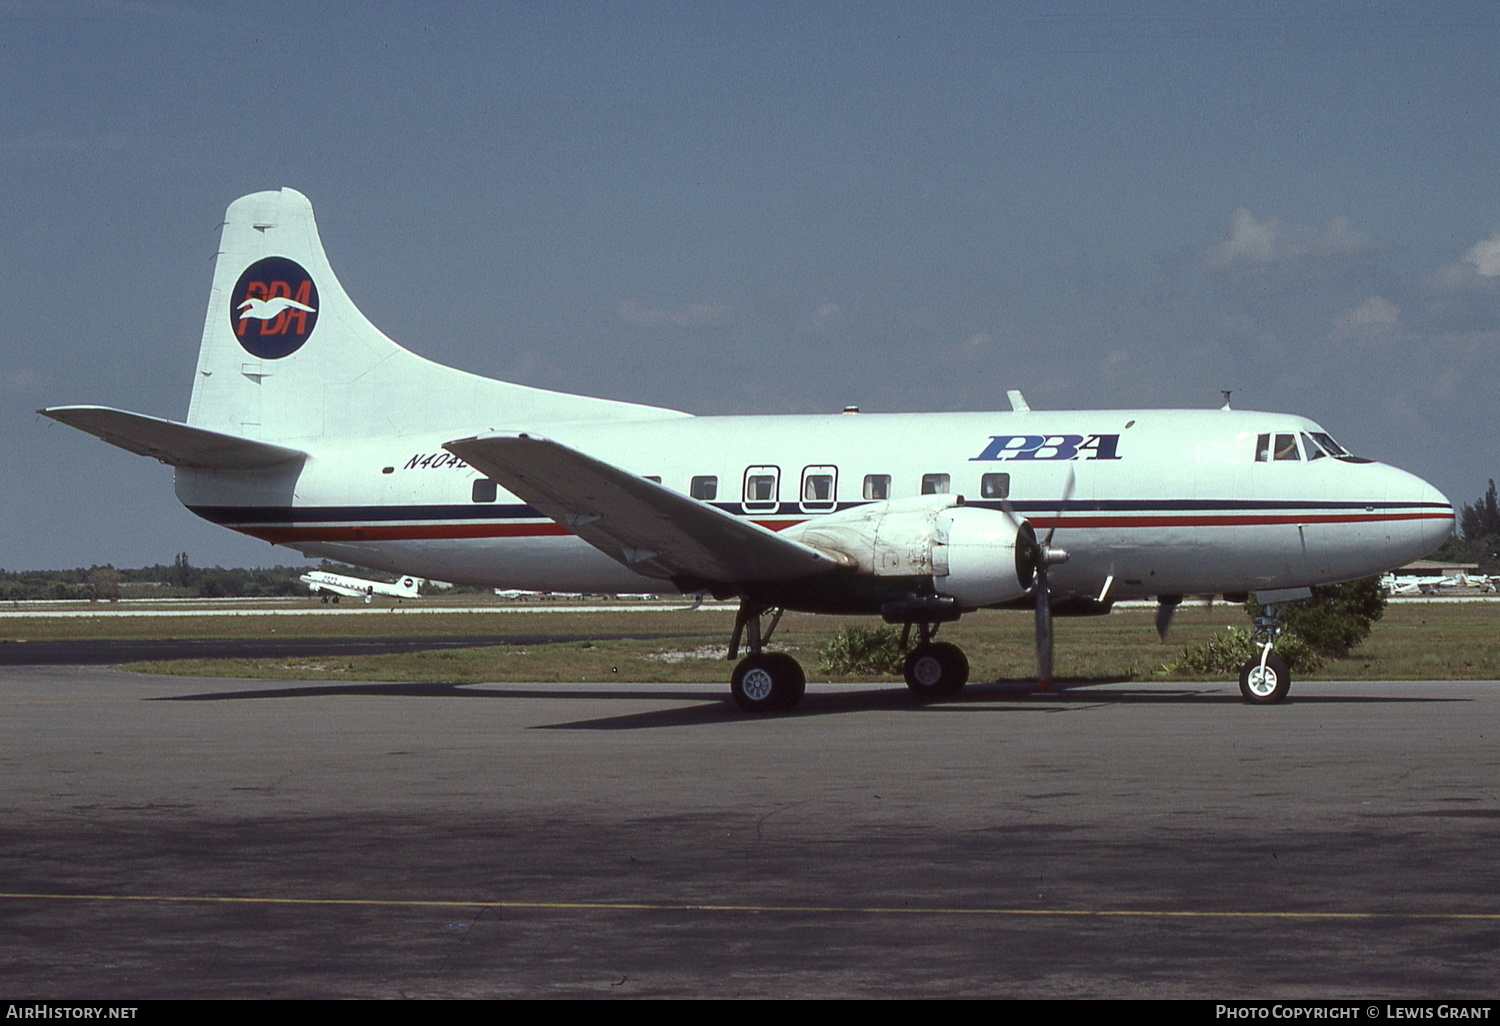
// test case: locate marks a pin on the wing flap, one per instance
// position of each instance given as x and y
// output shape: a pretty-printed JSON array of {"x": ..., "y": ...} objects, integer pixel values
[
  {"x": 181, "y": 445},
  {"x": 652, "y": 529}
]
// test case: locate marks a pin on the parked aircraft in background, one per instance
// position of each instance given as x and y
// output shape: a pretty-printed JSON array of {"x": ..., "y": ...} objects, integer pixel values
[
  {"x": 310, "y": 428},
  {"x": 338, "y": 585}
]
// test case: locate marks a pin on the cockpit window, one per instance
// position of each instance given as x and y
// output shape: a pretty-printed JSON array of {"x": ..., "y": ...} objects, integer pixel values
[
  {"x": 1331, "y": 447},
  {"x": 1315, "y": 445},
  {"x": 1336, "y": 450},
  {"x": 1276, "y": 447}
]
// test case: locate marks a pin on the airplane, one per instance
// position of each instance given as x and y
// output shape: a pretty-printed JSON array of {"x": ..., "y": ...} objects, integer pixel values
[
  {"x": 308, "y": 427},
  {"x": 338, "y": 585}
]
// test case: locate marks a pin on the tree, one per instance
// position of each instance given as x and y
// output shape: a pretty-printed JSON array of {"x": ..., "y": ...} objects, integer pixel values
[
  {"x": 182, "y": 571},
  {"x": 1480, "y": 523},
  {"x": 104, "y": 582}
]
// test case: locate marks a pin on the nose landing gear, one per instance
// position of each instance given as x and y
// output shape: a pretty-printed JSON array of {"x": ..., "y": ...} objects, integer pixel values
[{"x": 1266, "y": 679}]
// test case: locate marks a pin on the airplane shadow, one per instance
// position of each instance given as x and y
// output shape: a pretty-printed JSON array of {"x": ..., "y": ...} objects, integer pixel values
[{"x": 712, "y": 705}]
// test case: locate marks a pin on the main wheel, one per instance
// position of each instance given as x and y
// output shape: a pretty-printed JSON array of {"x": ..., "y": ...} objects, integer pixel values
[
  {"x": 936, "y": 670},
  {"x": 767, "y": 683},
  {"x": 1265, "y": 686}
]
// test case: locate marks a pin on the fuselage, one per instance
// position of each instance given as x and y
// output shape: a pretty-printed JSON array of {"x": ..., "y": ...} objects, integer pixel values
[{"x": 1162, "y": 502}]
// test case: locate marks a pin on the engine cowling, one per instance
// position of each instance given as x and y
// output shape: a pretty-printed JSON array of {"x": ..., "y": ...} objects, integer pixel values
[
  {"x": 991, "y": 558},
  {"x": 979, "y": 557}
]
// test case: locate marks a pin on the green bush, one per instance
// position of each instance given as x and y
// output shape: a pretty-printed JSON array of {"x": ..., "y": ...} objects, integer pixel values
[
  {"x": 862, "y": 651},
  {"x": 1225, "y": 653},
  {"x": 1337, "y": 617}
]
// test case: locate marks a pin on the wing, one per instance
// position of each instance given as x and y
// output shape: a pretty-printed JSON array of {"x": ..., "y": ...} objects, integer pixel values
[
  {"x": 653, "y": 530},
  {"x": 181, "y": 445}
]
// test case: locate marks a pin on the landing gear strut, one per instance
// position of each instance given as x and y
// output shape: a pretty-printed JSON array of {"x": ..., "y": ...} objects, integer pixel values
[
  {"x": 933, "y": 669},
  {"x": 1266, "y": 679},
  {"x": 763, "y": 682}
]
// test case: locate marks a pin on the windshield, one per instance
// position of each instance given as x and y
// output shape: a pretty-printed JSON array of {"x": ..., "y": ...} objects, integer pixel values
[{"x": 1323, "y": 440}]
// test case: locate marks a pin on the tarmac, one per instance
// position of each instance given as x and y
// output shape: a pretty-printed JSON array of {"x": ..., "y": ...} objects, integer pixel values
[{"x": 168, "y": 837}]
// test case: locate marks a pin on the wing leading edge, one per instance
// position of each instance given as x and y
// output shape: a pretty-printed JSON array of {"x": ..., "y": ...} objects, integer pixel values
[{"x": 649, "y": 528}]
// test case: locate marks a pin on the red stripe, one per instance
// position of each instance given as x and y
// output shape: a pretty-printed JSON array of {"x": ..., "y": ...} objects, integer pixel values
[{"x": 1244, "y": 520}]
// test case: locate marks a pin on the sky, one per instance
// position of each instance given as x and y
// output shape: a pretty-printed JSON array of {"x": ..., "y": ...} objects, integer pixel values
[{"x": 761, "y": 207}]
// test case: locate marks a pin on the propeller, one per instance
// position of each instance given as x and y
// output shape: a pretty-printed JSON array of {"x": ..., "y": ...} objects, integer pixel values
[
  {"x": 1041, "y": 555},
  {"x": 1166, "y": 607}
]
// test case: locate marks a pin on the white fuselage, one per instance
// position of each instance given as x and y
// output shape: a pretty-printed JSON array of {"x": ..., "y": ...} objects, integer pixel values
[{"x": 1163, "y": 502}]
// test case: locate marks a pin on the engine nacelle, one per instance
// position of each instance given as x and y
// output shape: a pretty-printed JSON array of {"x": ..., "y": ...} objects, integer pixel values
[
  {"x": 990, "y": 557},
  {"x": 979, "y": 557}
]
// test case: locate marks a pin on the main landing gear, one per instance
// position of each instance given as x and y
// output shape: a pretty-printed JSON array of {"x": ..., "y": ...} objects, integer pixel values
[
  {"x": 772, "y": 682},
  {"x": 763, "y": 682},
  {"x": 933, "y": 669},
  {"x": 1266, "y": 679}
]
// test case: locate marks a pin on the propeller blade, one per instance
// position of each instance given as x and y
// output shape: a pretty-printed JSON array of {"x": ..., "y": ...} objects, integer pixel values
[
  {"x": 1166, "y": 608},
  {"x": 1043, "y": 628},
  {"x": 1067, "y": 493}
]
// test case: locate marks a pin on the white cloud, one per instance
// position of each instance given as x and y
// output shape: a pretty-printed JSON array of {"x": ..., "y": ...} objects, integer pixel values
[
  {"x": 691, "y": 317},
  {"x": 1274, "y": 241},
  {"x": 1485, "y": 256},
  {"x": 1376, "y": 315},
  {"x": 828, "y": 317},
  {"x": 21, "y": 381}
]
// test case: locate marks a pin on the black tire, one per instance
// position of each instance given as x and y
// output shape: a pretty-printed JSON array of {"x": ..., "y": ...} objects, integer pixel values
[
  {"x": 1268, "y": 687},
  {"x": 771, "y": 682},
  {"x": 937, "y": 670},
  {"x": 796, "y": 680}
]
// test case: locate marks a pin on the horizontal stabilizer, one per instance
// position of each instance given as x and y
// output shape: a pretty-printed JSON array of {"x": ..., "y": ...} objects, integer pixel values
[
  {"x": 181, "y": 445},
  {"x": 651, "y": 529}
]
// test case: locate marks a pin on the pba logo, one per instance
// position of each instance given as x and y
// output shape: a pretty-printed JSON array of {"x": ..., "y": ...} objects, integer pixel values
[
  {"x": 273, "y": 308},
  {"x": 1050, "y": 447}
]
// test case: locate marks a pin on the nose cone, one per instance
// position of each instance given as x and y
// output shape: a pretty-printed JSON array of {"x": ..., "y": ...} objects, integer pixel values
[{"x": 1425, "y": 517}]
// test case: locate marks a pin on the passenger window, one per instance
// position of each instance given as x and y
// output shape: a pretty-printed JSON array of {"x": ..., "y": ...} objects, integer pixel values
[
  {"x": 935, "y": 484},
  {"x": 994, "y": 486},
  {"x": 877, "y": 486},
  {"x": 1286, "y": 447},
  {"x": 654, "y": 478},
  {"x": 483, "y": 491},
  {"x": 705, "y": 488},
  {"x": 819, "y": 488},
  {"x": 761, "y": 494}
]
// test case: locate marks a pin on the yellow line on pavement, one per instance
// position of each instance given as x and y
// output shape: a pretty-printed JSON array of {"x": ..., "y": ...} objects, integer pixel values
[{"x": 647, "y": 906}]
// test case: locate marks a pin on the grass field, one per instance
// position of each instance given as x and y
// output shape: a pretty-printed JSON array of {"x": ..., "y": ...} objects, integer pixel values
[{"x": 1414, "y": 641}]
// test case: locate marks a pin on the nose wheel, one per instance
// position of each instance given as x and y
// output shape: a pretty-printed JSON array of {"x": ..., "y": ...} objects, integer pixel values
[
  {"x": 1265, "y": 684},
  {"x": 1266, "y": 679}
]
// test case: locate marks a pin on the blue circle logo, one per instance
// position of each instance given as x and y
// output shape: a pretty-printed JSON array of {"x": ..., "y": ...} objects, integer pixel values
[{"x": 273, "y": 308}]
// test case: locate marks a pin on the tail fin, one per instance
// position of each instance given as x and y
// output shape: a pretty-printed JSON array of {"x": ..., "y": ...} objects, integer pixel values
[{"x": 286, "y": 355}]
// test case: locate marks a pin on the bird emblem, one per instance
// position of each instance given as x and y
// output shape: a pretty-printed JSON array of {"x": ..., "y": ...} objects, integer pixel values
[{"x": 265, "y": 309}]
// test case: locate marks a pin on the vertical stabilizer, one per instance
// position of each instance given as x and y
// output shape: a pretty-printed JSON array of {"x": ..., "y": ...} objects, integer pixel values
[{"x": 287, "y": 355}]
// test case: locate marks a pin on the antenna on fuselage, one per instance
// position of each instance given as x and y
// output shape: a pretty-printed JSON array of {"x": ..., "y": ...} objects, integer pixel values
[
  {"x": 1018, "y": 402},
  {"x": 1226, "y": 393}
]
